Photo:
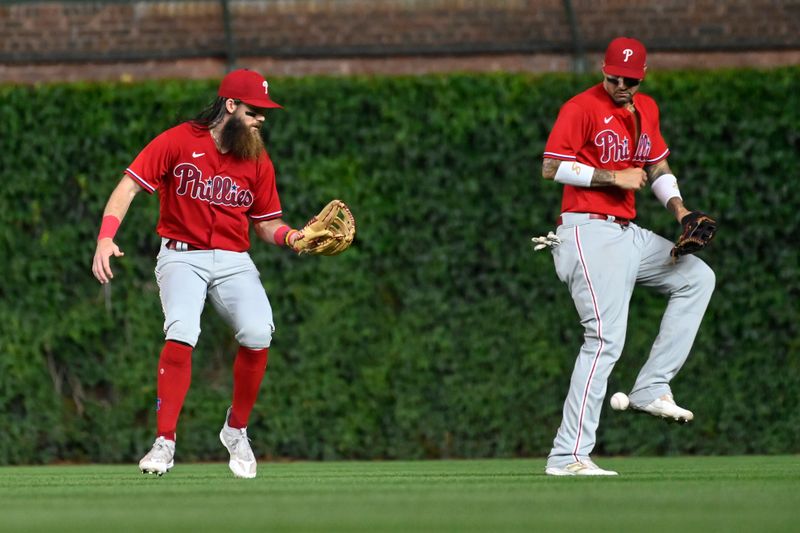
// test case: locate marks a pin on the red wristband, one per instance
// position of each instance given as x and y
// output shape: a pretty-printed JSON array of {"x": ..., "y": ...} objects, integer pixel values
[
  {"x": 109, "y": 227},
  {"x": 280, "y": 235}
]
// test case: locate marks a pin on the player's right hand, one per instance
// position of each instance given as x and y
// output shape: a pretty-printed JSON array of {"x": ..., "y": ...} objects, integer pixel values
[
  {"x": 633, "y": 178},
  {"x": 101, "y": 264}
]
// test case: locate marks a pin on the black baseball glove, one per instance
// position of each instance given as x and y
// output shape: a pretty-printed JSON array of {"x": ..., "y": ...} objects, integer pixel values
[{"x": 698, "y": 230}]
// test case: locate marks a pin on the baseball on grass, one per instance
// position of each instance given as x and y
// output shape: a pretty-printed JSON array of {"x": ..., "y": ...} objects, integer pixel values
[{"x": 620, "y": 401}]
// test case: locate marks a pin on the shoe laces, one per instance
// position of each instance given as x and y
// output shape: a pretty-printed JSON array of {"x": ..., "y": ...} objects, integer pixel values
[
  {"x": 161, "y": 450},
  {"x": 240, "y": 444}
]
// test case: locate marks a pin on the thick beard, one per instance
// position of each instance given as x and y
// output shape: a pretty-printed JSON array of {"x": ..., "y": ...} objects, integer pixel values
[{"x": 243, "y": 142}]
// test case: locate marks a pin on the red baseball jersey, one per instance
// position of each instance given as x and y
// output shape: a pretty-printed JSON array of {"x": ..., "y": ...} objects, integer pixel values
[
  {"x": 591, "y": 129},
  {"x": 206, "y": 197}
]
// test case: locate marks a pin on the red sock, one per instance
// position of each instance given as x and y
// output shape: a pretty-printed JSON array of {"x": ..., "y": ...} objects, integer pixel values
[
  {"x": 174, "y": 377},
  {"x": 248, "y": 371}
]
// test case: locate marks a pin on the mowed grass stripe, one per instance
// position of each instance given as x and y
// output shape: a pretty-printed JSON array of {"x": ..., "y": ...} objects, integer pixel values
[{"x": 652, "y": 494}]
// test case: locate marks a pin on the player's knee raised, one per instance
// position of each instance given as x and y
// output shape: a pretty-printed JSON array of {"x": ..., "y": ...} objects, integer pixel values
[
  {"x": 701, "y": 277},
  {"x": 707, "y": 277}
]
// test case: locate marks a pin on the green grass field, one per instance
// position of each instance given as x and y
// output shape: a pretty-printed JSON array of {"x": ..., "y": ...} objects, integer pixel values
[{"x": 682, "y": 494}]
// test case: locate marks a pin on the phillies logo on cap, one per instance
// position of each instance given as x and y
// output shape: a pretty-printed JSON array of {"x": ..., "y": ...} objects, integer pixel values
[
  {"x": 626, "y": 57},
  {"x": 249, "y": 87},
  {"x": 627, "y": 53}
]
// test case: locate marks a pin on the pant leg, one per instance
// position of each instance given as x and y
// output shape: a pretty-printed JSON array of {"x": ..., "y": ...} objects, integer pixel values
[
  {"x": 183, "y": 283},
  {"x": 598, "y": 261},
  {"x": 689, "y": 283},
  {"x": 239, "y": 297}
]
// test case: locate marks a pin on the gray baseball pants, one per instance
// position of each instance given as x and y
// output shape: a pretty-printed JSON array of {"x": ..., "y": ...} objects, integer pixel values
[
  {"x": 601, "y": 262},
  {"x": 232, "y": 282}
]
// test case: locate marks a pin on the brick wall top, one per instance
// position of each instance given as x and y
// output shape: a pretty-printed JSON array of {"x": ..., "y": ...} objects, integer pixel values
[{"x": 42, "y": 32}]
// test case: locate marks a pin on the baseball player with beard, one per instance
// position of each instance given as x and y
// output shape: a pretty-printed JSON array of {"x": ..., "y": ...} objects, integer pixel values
[
  {"x": 213, "y": 177},
  {"x": 605, "y": 146}
]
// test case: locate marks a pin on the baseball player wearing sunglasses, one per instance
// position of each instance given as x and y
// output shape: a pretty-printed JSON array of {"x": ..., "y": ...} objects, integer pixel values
[{"x": 605, "y": 146}]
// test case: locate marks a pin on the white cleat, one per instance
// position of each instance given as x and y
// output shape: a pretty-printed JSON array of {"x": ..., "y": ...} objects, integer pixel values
[
  {"x": 581, "y": 468},
  {"x": 243, "y": 462},
  {"x": 665, "y": 407},
  {"x": 160, "y": 458}
]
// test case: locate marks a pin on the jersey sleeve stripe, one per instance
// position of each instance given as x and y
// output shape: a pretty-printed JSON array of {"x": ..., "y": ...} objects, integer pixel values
[
  {"x": 141, "y": 181},
  {"x": 560, "y": 156},
  {"x": 659, "y": 158},
  {"x": 268, "y": 216}
]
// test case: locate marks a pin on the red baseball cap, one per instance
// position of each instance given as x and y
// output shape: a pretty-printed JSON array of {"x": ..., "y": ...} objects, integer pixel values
[
  {"x": 248, "y": 86},
  {"x": 626, "y": 57}
]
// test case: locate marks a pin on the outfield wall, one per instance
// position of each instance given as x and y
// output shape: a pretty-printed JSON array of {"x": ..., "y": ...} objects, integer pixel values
[
  {"x": 440, "y": 333},
  {"x": 108, "y": 40}
]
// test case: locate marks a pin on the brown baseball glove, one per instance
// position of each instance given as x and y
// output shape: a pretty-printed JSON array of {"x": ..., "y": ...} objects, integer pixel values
[
  {"x": 698, "y": 230},
  {"x": 329, "y": 233}
]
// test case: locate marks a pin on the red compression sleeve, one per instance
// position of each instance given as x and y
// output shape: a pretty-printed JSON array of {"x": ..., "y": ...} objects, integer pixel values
[{"x": 109, "y": 227}]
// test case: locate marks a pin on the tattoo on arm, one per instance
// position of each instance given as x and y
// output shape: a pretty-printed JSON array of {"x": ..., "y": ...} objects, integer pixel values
[
  {"x": 603, "y": 178},
  {"x": 600, "y": 177},
  {"x": 656, "y": 171},
  {"x": 676, "y": 207},
  {"x": 549, "y": 168}
]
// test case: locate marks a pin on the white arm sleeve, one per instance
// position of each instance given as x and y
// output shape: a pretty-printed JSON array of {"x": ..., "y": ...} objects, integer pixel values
[
  {"x": 666, "y": 187},
  {"x": 574, "y": 173}
]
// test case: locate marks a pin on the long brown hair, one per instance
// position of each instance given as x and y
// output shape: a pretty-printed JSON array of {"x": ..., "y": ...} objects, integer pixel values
[{"x": 213, "y": 113}]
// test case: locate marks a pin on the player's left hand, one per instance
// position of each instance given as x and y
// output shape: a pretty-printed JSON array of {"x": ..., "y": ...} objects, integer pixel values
[
  {"x": 698, "y": 230},
  {"x": 101, "y": 264}
]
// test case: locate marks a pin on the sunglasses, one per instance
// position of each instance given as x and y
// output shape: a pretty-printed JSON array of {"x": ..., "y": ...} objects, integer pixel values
[{"x": 629, "y": 82}]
